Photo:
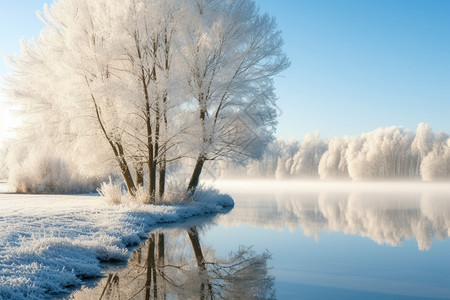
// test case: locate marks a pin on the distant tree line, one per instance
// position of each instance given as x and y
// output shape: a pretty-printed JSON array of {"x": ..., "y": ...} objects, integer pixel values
[{"x": 385, "y": 153}]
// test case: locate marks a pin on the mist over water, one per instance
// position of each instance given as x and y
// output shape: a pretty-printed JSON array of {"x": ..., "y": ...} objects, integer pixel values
[{"x": 386, "y": 212}]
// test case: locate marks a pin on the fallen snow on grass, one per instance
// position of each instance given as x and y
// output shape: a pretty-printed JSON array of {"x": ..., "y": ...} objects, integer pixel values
[{"x": 49, "y": 243}]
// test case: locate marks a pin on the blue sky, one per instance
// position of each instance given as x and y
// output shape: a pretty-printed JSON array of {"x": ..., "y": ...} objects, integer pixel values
[{"x": 356, "y": 64}]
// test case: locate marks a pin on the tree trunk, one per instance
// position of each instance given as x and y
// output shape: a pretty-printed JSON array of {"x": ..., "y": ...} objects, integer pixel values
[
  {"x": 163, "y": 163},
  {"x": 149, "y": 130},
  {"x": 162, "y": 178},
  {"x": 195, "y": 177},
  {"x": 160, "y": 265},
  {"x": 155, "y": 280},
  {"x": 201, "y": 263},
  {"x": 127, "y": 177},
  {"x": 152, "y": 180},
  {"x": 125, "y": 169},
  {"x": 139, "y": 176},
  {"x": 150, "y": 266},
  {"x": 117, "y": 149},
  {"x": 195, "y": 241},
  {"x": 155, "y": 146}
]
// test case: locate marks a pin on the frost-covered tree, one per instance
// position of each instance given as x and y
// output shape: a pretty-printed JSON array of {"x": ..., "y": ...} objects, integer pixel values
[
  {"x": 394, "y": 152},
  {"x": 142, "y": 83},
  {"x": 422, "y": 143},
  {"x": 436, "y": 164},
  {"x": 66, "y": 86},
  {"x": 333, "y": 164},
  {"x": 230, "y": 69},
  {"x": 381, "y": 154},
  {"x": 153, "y": 55},
  {"x": 285, "y": 160},
  {"x": 306, "y": 160}
]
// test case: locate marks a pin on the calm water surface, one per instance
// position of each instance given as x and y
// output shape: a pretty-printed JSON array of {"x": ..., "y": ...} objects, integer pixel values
[{"x": 326, "y": 241}]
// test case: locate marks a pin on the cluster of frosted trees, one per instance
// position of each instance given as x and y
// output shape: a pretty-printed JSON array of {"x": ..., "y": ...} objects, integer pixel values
[
  {"x": 385, "y": 153},
  {"x": 131, "y": 86}
]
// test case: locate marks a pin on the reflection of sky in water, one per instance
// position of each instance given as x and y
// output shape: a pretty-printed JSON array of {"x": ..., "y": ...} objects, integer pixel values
[{"x": 352, "y": 241}]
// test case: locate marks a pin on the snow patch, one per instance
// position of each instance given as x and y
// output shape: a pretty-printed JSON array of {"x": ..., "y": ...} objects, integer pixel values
[{"x": 49, "y": 243}]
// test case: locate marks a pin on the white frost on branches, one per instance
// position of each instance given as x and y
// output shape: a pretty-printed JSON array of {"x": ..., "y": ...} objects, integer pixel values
[{"x": 130, "y": 86}]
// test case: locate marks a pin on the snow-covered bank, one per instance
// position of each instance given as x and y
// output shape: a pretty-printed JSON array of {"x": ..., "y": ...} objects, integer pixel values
[{"x": 50, "y": 242}]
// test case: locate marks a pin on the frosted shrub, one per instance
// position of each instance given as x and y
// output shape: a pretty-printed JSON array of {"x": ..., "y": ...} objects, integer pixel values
[
  {"x": 3, "y": 163},
  {"x": 52, "y": 172},
  {"x": 175, "y": 192},
  {"x": 111, "y": 191},
  {"x": 44, "y": 172},
  {"x": 141, "y": 196},
  {"x": 205, "y": 193}
]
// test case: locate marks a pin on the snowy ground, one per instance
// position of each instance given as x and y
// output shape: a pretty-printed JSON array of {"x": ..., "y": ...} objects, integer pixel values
[{"x": 49, "y": 243}]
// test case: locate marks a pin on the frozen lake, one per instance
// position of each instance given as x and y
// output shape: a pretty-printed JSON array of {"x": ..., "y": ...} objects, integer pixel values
[{"x": 326, "y": 240}]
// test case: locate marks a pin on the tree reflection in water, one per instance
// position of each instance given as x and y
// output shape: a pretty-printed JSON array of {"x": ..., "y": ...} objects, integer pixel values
[{"x": 174, "y": 265}]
